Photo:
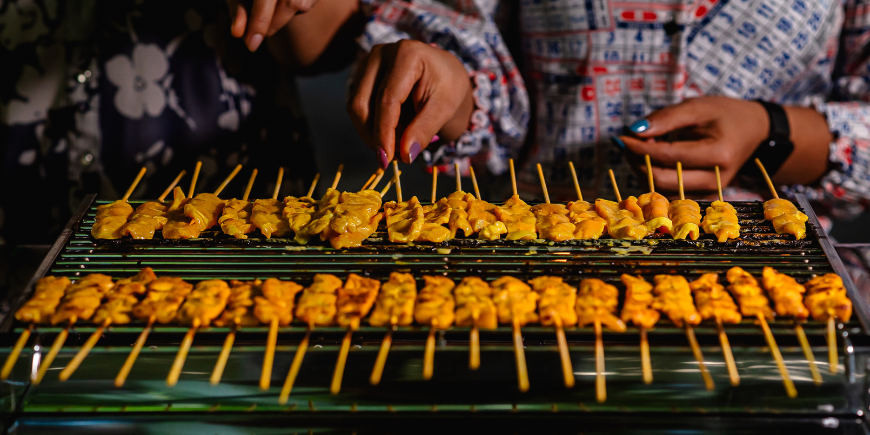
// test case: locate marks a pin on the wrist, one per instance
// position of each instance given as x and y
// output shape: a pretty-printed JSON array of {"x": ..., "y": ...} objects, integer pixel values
[{"x": 811, "y": 138}]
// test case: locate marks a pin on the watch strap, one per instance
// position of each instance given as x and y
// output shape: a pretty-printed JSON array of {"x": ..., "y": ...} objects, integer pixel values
[{"x": 775, "y": 149}]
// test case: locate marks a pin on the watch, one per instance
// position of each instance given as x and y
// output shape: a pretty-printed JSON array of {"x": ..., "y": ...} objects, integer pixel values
[{"x": 774, "y": 150}]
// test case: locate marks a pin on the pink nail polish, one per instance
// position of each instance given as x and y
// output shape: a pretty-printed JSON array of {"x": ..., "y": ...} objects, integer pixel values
[
  {"x": 434, "y": 139},
  {"x": 382, "y": 156},
  {"x": 255, "y": 42}
]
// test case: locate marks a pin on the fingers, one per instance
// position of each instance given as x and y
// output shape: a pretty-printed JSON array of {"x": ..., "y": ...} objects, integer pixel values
[
  {"x": 283, "y": 15},
  {"x": 703, "y": 153},
  {"x": 259, "y": 22},
  {"x": 420, "y": 132},
  {"x": 693, "y": 179},
  {"x": 239, "y": 16},
  {"x": 359, "y": 103},
  {"x": 686, "y": 114},
  {"x": 396, "y": 87}
]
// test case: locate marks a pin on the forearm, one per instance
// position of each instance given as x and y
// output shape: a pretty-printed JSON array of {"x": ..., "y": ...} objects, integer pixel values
[{"x": 812, "y": 138}]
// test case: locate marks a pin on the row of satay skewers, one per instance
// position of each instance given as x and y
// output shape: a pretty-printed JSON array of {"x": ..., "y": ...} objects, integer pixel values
[
  {"x": 440, "y": 304},
  {"x": 346, "y": 219}
]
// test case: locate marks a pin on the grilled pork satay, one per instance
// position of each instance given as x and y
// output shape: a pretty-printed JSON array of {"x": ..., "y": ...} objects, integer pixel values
[
  {"x": 355, "y": 218},
  {"x": 557, "y": 301},
  {"x": 150, "y": 216},
  {"x": 787, "y": 294},
  {"x": 112, "y": 217},
  {"x": 654, "y": 206},
  {"x": 178, "y": 225},
  {"x": 518, "y": 219},
  {"x": 355, "y": 300},
  {"x": 674, "y": 298},
  {"x": 47, "y": 295},
  {"x": 320, "y": 218},
  {"x": 240, "y": 305},
  {"x": 203, "y": 305},
  {"x": 553, "y": 222},
  {"x": 163, "y": 299},
  {"x": 235, "y": 219},
  {"x": 404, "y": 220},
  {"x": 597, "y": 302},
  {"x": 203, "y": 210},
  {"x": 750, "y": 297},
  {"x": 637, "y": 309},
  {"x": 317, "y": 305},
  {"x": 474, "y": 304},
  {"x": 266, "y": 214},
  {"x": 458, "y": 220},
  {"x": 721, "y": 221},
  {"x": 587, "y": 223},
  {"x": 395, "y": 302},
  {"x": 276, "y": 301},
  {"x": 82, "y": 298},
  {"x": 515, "y": 303},
  {"x": 786, "y": 218},
  {"x": 483, "y": 220},
  {"x": 686, "y": 217},
  {"x": 713, "y": 301},
  {"x": 826, "y": 298},
  {"x": 298, "y": 211},
  {"x": 435, "y": 303},
  {"x": 623, "y": 221},
  {"x": 435, "y": 217}
]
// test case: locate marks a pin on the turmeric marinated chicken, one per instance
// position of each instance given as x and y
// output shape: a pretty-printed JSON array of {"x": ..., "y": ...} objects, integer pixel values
[
  {"x": 721, "y": 221},
  {"x": 275, "y": 301},
  {"x": 749, "y": 295},
  {"x": 120, "y": 299},
  {"x": 163, "y": 299},
  {"x": 146, "y": 220},
  {"x": 826, "y": 298},
  {"x": 474, "y": 304},
  {"x": 395, "y": 303},
  {"x": 436, "y": 216},
  {"x": 713, "y": 300},
  {"x": 553, "y": 223},
  {"x": 355, "y": 218},
  {"x": 686, "y": 217},
  {"x": 317, "y": 305},
  {"x": 637, "y": 307},
  {"x": 110, "y": 219},
  {"x": 624, "y": 220},
  {"x": 320, "y": 218},
  {"x": 81, "y": 299},
  {"x": 404, "y": 220},
  {"x": 240, "y": 304},
  {"x": 674, "y": 298},
  {"x": 556, "y": 302},
  {"x": 178, "y": 225},
  {"x": 655, "y": 212},
  {"x": 786, "y": 218},
  {"x": 515, "y": 301},
  {"x": 458, "y": 220},
  {"x": 267, "y": 216},
  {"x": 483, "y": 220},
  {"x": 235, "y": 219},
  {"x": 518, "y": 219},
  {"x": 787, "y": 294},
  {"x": 298, "y": 212},
  {"x": 205, "y": 303},
  {"x": 46, "y": 296},
  {"x": 355, "y": 300},
  {"x": 587, "y": 223},
  {"x": 435, "y": 303},
  {"x": 597, "y": 301},
  {"x": 204, "y": 210}
]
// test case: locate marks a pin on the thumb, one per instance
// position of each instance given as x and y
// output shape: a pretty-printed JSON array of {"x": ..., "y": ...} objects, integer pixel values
[
  {"x": 665, "y": 120},
  {"x": 422, "y": 129}
]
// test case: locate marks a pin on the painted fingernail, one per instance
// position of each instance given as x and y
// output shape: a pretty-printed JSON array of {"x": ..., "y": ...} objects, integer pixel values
[
  {"x": 414, "y": 151},
  {"x": 639, "y": 126},
  {"x": 618, "y": 142},
  {"x": 255, "y": 41},
  {"x": 434, "y": 139},
  {"x": 382, "y": 156}
]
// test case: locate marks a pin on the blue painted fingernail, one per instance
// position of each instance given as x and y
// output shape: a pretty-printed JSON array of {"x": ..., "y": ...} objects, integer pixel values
[
  {"x": 618, "y": 142},
  {"x": 639, "y": 126},
  {"x": 382, "y": 155},
  {"x": 414, "y": 151}
]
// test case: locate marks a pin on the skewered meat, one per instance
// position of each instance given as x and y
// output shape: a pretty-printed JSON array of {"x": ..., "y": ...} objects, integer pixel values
[
  {"x": 624, "y": 220},
  {"x": 557, "y": 300},
  {"x": 235, "y": 219},
  {"x": 597, "y": 301},
  {"x": 553, "y": 222},
  {"x": 110, "y": 219},
  {"x": 674, "y": 298},
  {"x": 655, "y": 212},
  {"x": 204, "y": 210},
  {"x": 518, "y": 219},
  {"x": 121, "y": 298},
  {"x": 786, "y": 218},
  {"x": 165, "y": 295},
  {"x": 826, "y": 297},
  {"x": 395, "y": 303},
  {"x": 317, "y": 305},
  {"x": 587, "y": 223},
  {"x": 46, "y": 296},
  {"x": 355, "y": 218},
  {"x": 319, "y": 221},
  {"x": 748, "y": 293},
  {"x": 178, "y": 225},
  {"x": 148, "y": 218},
  {"x": 637, "y": 307},
  {"x": 515, "y": 301},
  {"x": 266, "y": 214},
  {"x": 458, "y": 202},
  {"x": 240, "y": 304},
  {"x": 483, "y": 221},
  {"x": 786, "y": 293},
  {"x": 435, "y": 302},
  {"x": 686, "y": 217},
  {"x": 355, "y": 299},
  {"x": 82, "y": 298},
  {"x": 435, "y": 217},
  {"x": 713, "y": 301},
  {"x": 404, "y": 220},
  {"x": 721, "y": 220},
  {"x": 205, "y": 303},
  {"x": 276, "y": 301},
  {"x": 474, "y": 304},
  {"x": 298, "y": 212}
]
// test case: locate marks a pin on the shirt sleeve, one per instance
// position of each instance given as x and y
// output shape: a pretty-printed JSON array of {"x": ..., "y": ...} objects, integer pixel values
[{"x": 466, "y": 29}]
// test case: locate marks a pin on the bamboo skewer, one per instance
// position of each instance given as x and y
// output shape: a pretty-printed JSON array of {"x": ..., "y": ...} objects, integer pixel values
[
  {"x": 83, "y": 351},
  {"x": 250, "y": 185},
  {"x": 600, "y": 384},
  {"x": 16, "y": 351},
  {"x": 645, "y": 362},
  {"x": 372, "y": 178},
  {"x": 278, "y": 183},
  {"x": 808, "y": 353},
  {"x": 171, "y": 186},
  {"x": 183, "y": 349},
  {"x": 429, "y": 353},
  {"x": 294, "y": 366},
  {"x": 398, "y": 182},
  {"x": 133, "y": 185},
  {"x": 381, "y": 360},
  {"x": 680, "y": 180},
  {"x": 766, "y": 178},
  {"x": 337, "y": 176},
  {"x": 733, "y": 376},
  {"x": 719, "y": 184},
  {"x": 434, "y": 184},
  {"x": 474, "y": 182},
  {"x": 389, "y": 184},
  {"x": 377, "y": 181},
  {"x": 615, "y": 186},
  {"x": 649, "y": 174},
  {"x": 474, "y": 344},
  {"x": 221, "y": 363},
  {"x": 52, "y": 353},
  {"x": 833, "y": 358},
  {"x": 226, "y": 180},
  {"x": 269, "y": 357},
  {"x": 576, "y": 183},
  {"x": 131, "y": 359},
  {"x": 777, "y": 356},
  {"x": 313, "y": 185},
  {"x": 520, "y": 356},
  {"x": 543, "y": 184},
  {"x": 194, "y": 179},
  {"x": 513, "y": 176},
  {"x": 699, "y": 356},
  {"x": 335, "y": 387},
  {"x": 458, "y": 177}
]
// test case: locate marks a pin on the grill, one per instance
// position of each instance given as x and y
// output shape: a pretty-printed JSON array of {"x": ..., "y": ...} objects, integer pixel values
[{"x": 455, "y": 393}]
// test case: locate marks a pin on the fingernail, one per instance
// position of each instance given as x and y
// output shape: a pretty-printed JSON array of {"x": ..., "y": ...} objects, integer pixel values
[
  {"x": 255, "y": 41},
  {"x": 382, "y": 155},
  {"x": 639, "y": 126},
  {"x": 434, "y": 139},
  {"x": 414, "y": 151},
  {"x": 618, "y": 142}
]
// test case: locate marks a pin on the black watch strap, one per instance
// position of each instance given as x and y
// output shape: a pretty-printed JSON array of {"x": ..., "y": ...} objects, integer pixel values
[{"x": 774, "y": 150}]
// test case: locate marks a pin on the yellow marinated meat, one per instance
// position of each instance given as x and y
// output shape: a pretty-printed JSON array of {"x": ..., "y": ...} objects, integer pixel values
[
  {"x": 240, "y": 304},
  {"x": 46, "y": 296},
  {"x": 587, "y": 223},
  {"x": 204, "y": 210},
  {"x": 235, "y": 219},
  {"x": 787, "y": 294},
  {"x": 354, "y": 219},
  {"x": 354, "y": 239},
  {"x": 435, "y": 303},
  {"x": 320, "y": 218},
  {"x": 674, "y": 298},
  {"x": 317, "y": 305},
  {"x": 355, "y": 300},
  {"x": 483, "y": 221},
  {"x": 655, "y": 212},
  {"x": 404, "y": 220},
  {"x": 624, "y": 220},
  {"x": 557, "y": 301},
  {"x": 110, "y": 219},
  {"x": 597, "y": 301},
  {"x": 518, "y": 219},
  {"x": 267, "y": 216},
  {"x": 165, "y": 295},
  {"x": 276, "y": 301},
  {"x": 637, "y": 307},
  {"x": 458, "y": 202},
  {"x": 686, "y": 217},
  {"x": 514, "y": 301},
  {"x": 721, "y": 221},
  {"x": 395, "y": 303},
  {"x": 178, "y": 225},
  {"x": 435, "y": 217},
  {"x": 786, "y": 218},
  {"x": 116, "y": 310},
  {"x": 298, "y": 211},
  {"x": 147, "y": 219},
  {"x": 713, "y": 301},
  {"x": 474, "y": 304},
  {"x": 82, "y": 298},
  {"x": 750, "y": 297},
  {"x": 553, "y": 223},
  {"x": 205, "y": 303},
  {"x": 826, "y": 297}
]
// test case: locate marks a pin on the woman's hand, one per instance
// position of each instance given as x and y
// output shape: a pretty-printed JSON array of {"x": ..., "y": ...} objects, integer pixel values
[
  {"x": 440, "y": 98},
  {"x": 260, "y": 18},
  {"x": 719, "y": 131}
]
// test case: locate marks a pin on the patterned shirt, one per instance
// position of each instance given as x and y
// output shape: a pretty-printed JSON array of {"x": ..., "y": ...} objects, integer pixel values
[{"x": 594, "y": 66}]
